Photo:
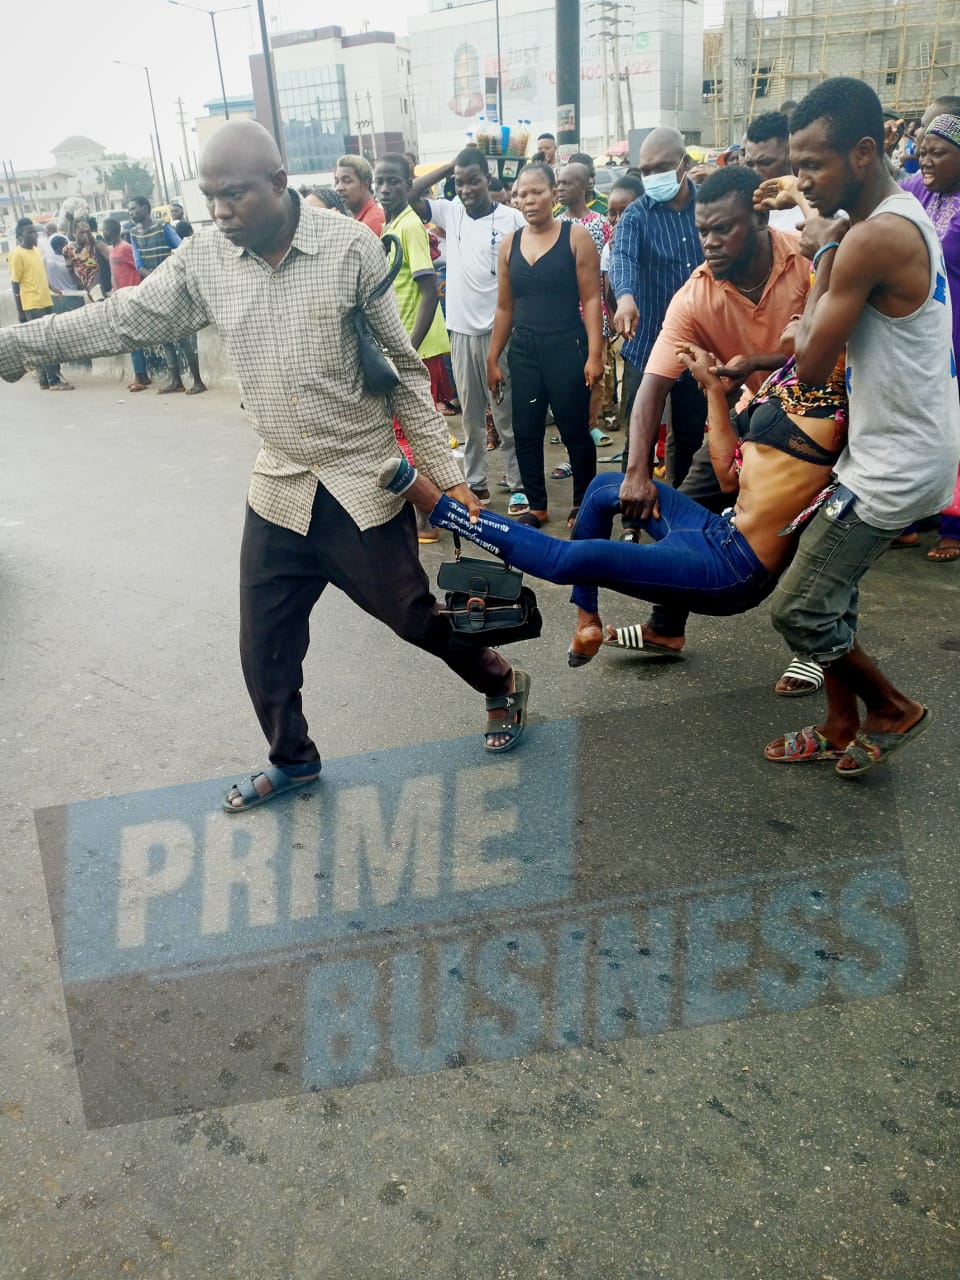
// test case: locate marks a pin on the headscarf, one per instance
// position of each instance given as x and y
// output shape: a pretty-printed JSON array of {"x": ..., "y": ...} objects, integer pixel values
[{"x": 945, "y": 126}]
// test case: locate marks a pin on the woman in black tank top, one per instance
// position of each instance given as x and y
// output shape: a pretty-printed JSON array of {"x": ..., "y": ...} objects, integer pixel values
[{"x": 548, "y": 308}]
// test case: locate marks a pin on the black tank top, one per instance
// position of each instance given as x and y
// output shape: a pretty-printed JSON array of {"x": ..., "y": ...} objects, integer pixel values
[{"x": 546, "y": 296}]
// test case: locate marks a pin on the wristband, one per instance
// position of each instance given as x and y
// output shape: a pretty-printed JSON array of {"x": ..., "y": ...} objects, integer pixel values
[{"x": 833, "y": 244}]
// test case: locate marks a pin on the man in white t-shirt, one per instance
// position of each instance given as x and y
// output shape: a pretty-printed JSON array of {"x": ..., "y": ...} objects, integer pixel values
[{"x": 474, "y": 226}]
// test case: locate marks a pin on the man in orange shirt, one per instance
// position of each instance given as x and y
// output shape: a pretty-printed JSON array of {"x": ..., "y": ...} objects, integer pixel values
[
  {"x": 737, "y": 304},
  {"x": 353, "y": 179}
]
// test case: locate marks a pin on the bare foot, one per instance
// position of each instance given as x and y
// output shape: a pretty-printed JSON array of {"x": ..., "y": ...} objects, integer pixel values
[
  {"x": 197, "y": 388},
  {"x": 587, "y": 639},
  {"x": 170, "y": 388}
]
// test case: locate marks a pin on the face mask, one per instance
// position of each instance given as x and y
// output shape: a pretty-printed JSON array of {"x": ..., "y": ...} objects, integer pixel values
[{"x": 661, "y": 186}]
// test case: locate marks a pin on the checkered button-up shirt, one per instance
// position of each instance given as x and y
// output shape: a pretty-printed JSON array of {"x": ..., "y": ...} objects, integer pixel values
[{"x": 289, "y": 334}]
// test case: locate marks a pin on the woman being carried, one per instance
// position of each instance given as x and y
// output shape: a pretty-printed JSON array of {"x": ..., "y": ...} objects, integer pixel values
[{"x": 789, "y": 437}]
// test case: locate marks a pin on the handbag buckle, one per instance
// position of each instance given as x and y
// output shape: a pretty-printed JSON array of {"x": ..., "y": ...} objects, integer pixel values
[{"x": 476, "y": 613}]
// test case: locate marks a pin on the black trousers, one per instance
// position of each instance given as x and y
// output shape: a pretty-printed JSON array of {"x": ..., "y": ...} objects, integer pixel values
[
  {"x": 700, "y": 484},
  {"x": 547, "y": 369},
  {"x": 282, "y": 575},
  {"x": 688, "y": 413}
]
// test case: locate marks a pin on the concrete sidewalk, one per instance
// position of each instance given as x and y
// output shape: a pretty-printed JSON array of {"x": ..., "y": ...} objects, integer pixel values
[{"x": 627, "y": 1003}]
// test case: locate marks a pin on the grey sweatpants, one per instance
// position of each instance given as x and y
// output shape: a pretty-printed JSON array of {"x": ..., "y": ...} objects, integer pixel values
[{"x": 468, "y": 353}]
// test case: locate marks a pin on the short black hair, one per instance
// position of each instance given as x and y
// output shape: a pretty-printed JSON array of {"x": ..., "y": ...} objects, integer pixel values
[
  {"x": 949, "y": 102},
  {"x": 470, "y": 156},
  {"x": 581, "y": 157},
  {"x": 772, "y": 124},
  {"x": 399, "y": 162},
  {"x": 141, "y": 201},
  {"x": 629, "y": 182},
  {"x": 541, "y": 136},
  {"x": 111, "y": 226},
  {"x": 851, "y": 109},
  {"x": 21, "y": 223},
  {"x": 736, "y": 181},
  {"x": 539, "y": 166}
]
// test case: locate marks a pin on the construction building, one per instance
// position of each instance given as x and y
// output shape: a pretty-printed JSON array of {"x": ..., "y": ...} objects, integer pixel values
[{"x": 907, "y": 50}]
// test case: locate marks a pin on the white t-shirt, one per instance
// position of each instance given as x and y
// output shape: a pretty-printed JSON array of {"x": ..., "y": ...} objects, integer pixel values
[
  {"x": 605, "y": 259},
  {"x": 472, "y": 246},
  {"x": 788, "y": 220}
]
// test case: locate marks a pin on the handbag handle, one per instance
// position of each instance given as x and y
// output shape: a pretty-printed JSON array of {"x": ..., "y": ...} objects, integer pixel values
[
  {"x": 391, "y": 244},
  {"x": 458, "y": 550}
]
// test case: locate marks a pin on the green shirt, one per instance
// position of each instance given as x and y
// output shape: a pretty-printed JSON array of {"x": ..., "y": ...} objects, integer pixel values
[{"x": 412, "y": 234}]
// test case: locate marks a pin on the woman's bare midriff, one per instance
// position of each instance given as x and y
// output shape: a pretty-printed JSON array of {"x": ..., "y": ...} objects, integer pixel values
[{"x": 774, "y": 489}]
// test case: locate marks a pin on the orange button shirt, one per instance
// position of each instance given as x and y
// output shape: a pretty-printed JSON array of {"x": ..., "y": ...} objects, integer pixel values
[{"x": 715, "y": 315}]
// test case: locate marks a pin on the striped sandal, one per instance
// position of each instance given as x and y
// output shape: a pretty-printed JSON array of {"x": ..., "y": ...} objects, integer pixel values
[
  {"x": 632, "y": 638},
  {"x": 807, "y": 672}
]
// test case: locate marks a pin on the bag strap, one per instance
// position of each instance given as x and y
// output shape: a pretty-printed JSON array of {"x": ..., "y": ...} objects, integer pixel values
[
  {"x": 391, "y": 244},
  {"x": 458, "y": 550}
]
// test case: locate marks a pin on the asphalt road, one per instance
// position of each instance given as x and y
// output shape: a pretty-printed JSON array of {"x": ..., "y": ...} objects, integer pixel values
[{"x": 628, "y": 1002}]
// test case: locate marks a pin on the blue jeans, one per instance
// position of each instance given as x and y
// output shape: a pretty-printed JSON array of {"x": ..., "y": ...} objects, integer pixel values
[
  {"x": 815, "y": 605},
  {"x": 698, "y": 559}
]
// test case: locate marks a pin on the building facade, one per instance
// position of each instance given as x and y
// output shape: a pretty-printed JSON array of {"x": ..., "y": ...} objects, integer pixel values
[
  {"x": 337, "y": 94},
  {"x": 640, "y": 67},
  {"x": 907, "y": 50}
]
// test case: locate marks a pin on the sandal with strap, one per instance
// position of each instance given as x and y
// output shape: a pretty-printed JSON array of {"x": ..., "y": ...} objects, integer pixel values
[
  {"x": 809, "y": 672},
  {"x": 280, "y": 783},
  {"x": 804, "y": 745},
  {"x": 509, "y": 728},
  {"x": 632, "y": 638},
  {"x": 870, "y": 749}
]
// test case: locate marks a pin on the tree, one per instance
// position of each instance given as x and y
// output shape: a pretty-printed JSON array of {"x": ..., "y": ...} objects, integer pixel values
[{"x": 128, "y": 176}]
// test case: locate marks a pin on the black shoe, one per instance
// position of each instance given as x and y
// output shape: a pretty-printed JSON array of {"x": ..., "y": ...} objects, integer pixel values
[{"x": 481, "y": 495}]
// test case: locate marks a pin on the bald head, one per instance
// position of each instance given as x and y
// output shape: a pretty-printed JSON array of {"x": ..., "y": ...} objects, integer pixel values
[
  {"x": 662, "y": 149},
  {"x": 245, "y": 186},
  {"x": 242, "y": 145}
]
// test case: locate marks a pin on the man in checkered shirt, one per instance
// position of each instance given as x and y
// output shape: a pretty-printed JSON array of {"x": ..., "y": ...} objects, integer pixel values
[{"x": 280, "y": 281}]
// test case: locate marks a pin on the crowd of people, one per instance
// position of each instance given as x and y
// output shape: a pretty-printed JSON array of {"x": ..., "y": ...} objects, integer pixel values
[
  {"x": 52, "y": 272},
  {"x": 777, "y": 315}
]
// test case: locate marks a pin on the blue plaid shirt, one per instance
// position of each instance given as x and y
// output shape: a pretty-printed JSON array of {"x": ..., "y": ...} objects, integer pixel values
[{"x": 653, "y": 252}]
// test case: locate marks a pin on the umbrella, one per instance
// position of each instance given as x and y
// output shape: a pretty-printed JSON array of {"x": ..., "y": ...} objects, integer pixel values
[{"x": 618, "y": 149}]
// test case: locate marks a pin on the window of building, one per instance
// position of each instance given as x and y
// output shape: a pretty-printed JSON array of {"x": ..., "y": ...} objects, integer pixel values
[{"x": 313, "y": 110}]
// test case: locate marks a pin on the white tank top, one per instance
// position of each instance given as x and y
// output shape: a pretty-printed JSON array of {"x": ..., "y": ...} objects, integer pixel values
[{"x": 904, "y": 441}]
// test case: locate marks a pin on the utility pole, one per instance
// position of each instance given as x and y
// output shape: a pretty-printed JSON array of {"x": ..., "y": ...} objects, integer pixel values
[{"x": 187, "y": 169}]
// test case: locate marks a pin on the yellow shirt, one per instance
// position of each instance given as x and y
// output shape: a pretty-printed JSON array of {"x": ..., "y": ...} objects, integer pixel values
[{"x": 27, "y": 270}]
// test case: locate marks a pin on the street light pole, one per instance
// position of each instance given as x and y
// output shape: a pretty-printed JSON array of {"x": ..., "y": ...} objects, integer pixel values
[
  {"x": 156, "y": 131},
  {"x": 213, "y": 15}
]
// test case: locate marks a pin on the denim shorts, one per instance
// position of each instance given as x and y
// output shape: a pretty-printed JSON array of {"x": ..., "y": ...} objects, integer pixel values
[{"x": 814, "y": 606}]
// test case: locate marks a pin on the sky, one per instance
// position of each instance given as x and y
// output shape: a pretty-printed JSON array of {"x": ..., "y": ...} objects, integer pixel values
[{"x": 83, "y": 91}]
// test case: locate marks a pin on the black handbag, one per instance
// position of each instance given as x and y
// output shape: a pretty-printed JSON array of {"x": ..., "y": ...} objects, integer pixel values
[
  {"x": 378, "y": 372},
  {"x": 487, "y": 602}
]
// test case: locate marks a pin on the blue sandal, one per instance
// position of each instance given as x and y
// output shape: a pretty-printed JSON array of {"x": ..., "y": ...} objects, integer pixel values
[
  {"x": 518, "y": 504},
  {"x": 511, "y": 728},
  {"x": 280, "y": 782}
]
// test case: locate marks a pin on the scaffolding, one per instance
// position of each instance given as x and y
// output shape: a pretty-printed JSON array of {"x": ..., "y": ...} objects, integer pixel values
[{"x": 907, "y": 50}]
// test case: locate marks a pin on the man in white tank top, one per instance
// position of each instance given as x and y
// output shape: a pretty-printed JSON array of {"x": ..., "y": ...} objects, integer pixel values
[{"x": 880, "y": 293}]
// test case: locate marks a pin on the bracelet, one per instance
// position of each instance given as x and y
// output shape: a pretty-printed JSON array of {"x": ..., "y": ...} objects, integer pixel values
[{"x": 833, "y": 244}]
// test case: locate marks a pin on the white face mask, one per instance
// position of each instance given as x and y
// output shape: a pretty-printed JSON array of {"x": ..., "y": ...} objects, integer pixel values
[{"x": 662, "y": 186}]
